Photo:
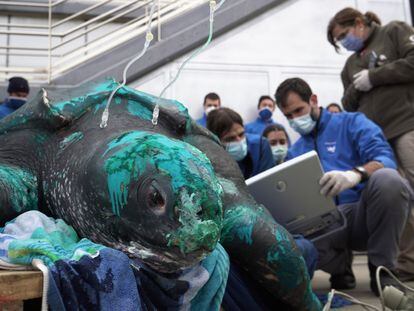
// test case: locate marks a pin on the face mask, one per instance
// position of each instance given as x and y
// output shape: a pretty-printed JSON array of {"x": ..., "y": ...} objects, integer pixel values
[
  {"x": 265, "y": 113},
  {"x": 279, "y": 153},
  {"x": 352, "y": 42},
  {"x": 209, "y": 109},
  {"x": 16, "y": 102},
  {"x": 303, "y": 125},
  {"x": 237, "y": 149}
]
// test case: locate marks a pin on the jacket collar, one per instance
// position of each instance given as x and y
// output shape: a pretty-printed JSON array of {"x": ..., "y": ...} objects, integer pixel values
[
  {"x": 321, "y": 123},
  {"x": 270, "y": 121},
  {"x": 374, "y": 30}
]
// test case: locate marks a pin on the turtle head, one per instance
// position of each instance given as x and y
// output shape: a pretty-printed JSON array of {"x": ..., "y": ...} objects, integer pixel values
[{"x": 163, "y": 197}]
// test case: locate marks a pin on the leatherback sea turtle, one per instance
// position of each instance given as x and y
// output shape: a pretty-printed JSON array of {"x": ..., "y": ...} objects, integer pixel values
[{"x": 165, "y": 194}]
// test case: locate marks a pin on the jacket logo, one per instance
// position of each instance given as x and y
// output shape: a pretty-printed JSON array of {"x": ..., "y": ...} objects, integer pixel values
[{"x": 331, "y": 147}]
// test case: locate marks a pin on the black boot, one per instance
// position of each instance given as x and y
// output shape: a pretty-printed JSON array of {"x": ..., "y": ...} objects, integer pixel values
[
  {"x": 385, "y": 280},
  {"x": 346, "y": 279}
]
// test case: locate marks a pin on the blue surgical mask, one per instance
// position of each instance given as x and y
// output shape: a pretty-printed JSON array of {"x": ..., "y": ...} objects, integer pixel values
[
  {"x": 15, "y": 102},
  {"x": 279, "y": 153},
  {"x": 352, "y": 42},
  {"x": 265, "y": 113},
  {"x": 303, "y": 125},
  {"x": 237, "y": 149}
]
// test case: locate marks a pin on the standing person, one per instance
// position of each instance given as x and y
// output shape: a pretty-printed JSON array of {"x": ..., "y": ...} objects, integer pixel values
[
  {"x": 334, "y": 108},
  {"x": 18, "y": 90},
  {"x": 279, "y": 141},
  {"x": 252, "y": 152},
  {"x": 378, "y": 80},
  {"x": 360, "y": 172},
  {"x": 265, "y": 108},
  {"x": 211, "y": 102}
]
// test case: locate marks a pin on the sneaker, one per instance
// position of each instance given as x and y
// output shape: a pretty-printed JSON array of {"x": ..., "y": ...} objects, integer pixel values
[
  {"x": 385, "y": 280},
  {"x": 343, "y": 281}
]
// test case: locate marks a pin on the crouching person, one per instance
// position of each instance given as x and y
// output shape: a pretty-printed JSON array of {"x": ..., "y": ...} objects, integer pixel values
[{"x": 360, "y": 174}]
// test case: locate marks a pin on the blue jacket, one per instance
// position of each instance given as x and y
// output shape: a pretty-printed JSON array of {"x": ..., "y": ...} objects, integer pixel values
[
  {"x": 344, "y": 141},
  {"x": 202, "y": 121},
  {"x": 9, "y": 106},
  {"x": 257, "y": 127},
  {"x": 259, "y": 156}
]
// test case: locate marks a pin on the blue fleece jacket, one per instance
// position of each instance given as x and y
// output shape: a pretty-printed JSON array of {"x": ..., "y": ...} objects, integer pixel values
[{"x": 344, "y": 141}]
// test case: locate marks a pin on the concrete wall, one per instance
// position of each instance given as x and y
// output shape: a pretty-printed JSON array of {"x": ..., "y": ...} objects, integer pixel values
[{"x": 253, "y": 59}]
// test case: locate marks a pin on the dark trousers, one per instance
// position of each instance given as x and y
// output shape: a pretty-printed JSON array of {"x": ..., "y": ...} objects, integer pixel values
[{"x": 375, "y": 224}]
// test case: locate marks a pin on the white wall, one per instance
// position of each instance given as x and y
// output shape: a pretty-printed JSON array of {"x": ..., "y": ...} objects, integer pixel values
[{"x": 252, "y": 60}]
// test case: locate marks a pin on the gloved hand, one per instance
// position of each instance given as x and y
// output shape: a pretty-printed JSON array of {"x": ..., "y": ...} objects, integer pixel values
[
  {"x": 334, "y": 182},
  {"x": 361, "y": 81}
]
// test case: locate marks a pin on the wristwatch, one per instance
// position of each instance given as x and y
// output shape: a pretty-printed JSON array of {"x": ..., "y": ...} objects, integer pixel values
[{"x": 361, "y": 170}]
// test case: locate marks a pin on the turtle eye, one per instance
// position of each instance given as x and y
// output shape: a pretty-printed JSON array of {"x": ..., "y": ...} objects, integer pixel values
[{"x": 155, "y": 200}]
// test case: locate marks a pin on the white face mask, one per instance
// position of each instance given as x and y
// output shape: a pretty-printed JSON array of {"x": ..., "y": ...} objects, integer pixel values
[
  {"x": 237, "y": 149},
  {"x": 303, "y": 125},
  {"x": 209, "y": 109},
  {"x": 279, "y": 153}
]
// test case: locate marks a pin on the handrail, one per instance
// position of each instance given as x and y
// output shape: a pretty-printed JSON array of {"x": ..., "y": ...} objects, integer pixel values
[
  {"x": 88, "y": 9},
  {"x": 96, "y": 27},
  {"x": 61, "y": 46}
]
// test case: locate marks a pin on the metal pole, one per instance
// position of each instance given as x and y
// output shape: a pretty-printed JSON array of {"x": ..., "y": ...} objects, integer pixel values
[
  {"x": 49, "y": 71},
  {"x": 159, "y": 21},
  {"x": 412, "y": 12}
]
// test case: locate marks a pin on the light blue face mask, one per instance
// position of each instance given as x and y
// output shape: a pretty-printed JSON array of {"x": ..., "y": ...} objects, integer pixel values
[
  {"x": 352, "y": 42},
  {"x": 279, "y": 153},
  {"x": 237, "y": 149},
  {"x": 303, "y": 125}
]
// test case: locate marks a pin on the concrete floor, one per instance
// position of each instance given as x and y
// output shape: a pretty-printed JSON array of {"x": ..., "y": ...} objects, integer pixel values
[{"x": 362, "y": 291}]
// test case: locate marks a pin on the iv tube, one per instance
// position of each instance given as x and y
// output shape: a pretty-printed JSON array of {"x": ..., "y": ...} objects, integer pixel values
[{"x": 148, "y": 38}]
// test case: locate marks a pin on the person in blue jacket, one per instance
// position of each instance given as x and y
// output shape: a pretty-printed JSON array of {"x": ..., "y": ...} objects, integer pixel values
[
  {"x": 18, "y": 90},
  {"x": 265, "y": 108},
  {"x": 360, "y": 173},
  {"x": 252, "y": 152},
  {"x": 211, "y": 102}
]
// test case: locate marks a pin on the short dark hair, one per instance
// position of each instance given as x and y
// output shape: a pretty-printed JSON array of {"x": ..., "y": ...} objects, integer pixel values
[
  {"x": 262, "y": 98},
  {"x": 221, "y": 120},
  {"x": 18, "y": 84},
  {"x": 212, "y": 96},
  {"x": 295, "y": 85},
  {"x": 334, "y": 105},
  {"x": 274, "y": 128}
]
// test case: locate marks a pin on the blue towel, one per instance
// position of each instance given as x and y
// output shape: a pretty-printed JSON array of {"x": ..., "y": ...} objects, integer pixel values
[{"x": 88, "y": 276}]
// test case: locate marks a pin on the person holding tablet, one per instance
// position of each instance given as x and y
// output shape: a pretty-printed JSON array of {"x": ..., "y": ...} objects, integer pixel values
[{"x": 360, "y": 172}]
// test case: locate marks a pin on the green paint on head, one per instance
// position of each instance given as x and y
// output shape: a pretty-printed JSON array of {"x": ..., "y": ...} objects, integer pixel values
[
  {"x": 21, "y": 187},
  {"x": 192, "y": 178},
  {"x": 194, "y": 232},
  {"x": 193, "y": 182}
]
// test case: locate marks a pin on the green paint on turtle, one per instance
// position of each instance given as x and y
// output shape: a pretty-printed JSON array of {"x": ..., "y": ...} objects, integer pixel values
[
  {"x": 192, "y": 180},
  {"x": 137, "y": 109},
  {"x": 186, "y": 166},
  {"x": 239, "y": 221},
  {"x": 72, "y": 138},
  {"x": 22, "y": 187},
  {"x": 194, "y": 231}
]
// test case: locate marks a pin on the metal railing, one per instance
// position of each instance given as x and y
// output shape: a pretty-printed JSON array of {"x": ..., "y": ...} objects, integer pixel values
[{"x": 51, "y": 44}]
